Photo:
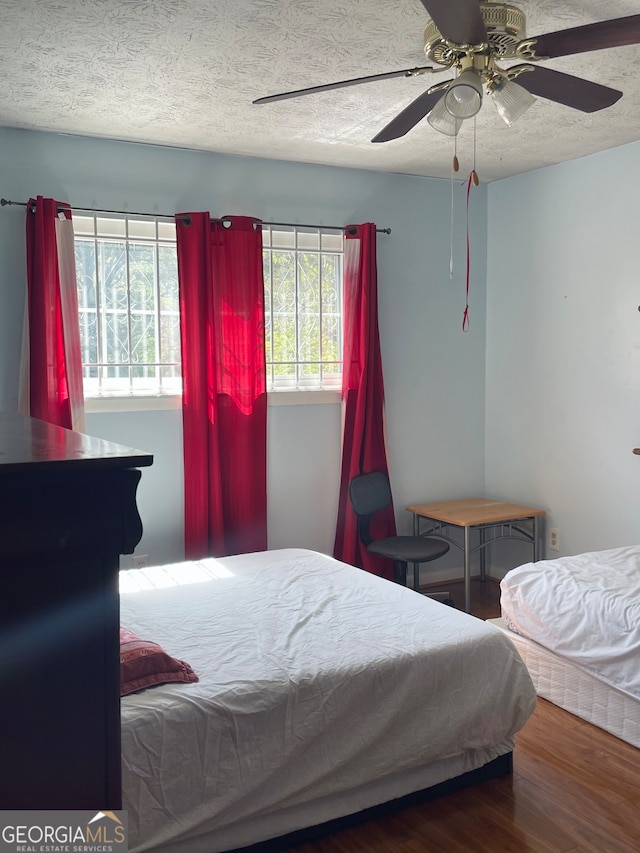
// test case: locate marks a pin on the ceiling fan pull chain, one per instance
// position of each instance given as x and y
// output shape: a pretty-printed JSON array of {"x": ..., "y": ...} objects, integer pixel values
[
  {"x": 465, "y": 317},
  {"x": 456, "y": 164},
  {"x": 474, "y": 174},
  {"x": 454, "y": 169}
]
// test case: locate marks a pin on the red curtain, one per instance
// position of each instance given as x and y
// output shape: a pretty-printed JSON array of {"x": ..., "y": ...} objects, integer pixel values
[
  {"x": 224, "y": 404},
  {"x": 51, "y": 380},
  {"x": 363, "y": 448}
]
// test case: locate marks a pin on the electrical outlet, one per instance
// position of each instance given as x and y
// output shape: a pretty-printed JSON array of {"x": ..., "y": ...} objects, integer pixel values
[
  {"x": 140, "y": 561},
  {"x": 554, "y": 539}
]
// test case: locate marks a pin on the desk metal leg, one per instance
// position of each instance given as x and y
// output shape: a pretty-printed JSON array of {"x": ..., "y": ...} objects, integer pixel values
[
  {"x": 467, "y": 570},
  {"x": 536, "y": 538},
  {"x": 416, "y": 566},
  {"x": 483, "y": 551}
]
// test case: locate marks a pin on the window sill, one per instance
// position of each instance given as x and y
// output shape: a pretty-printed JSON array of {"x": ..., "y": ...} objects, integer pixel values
[
  {"x": 302, "y": 398},
  {"x": 167, "y": 402},
  {"x": 132, "y": 403}
]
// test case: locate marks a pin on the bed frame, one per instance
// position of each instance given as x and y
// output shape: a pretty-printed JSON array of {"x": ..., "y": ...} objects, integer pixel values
[
  {"x": 578, "y": 692},
  {"x": 501, "y": 766},
  {"x": 317, "y": 818}
]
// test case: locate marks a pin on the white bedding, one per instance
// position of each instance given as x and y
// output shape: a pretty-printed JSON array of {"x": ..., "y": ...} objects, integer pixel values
[
  {"x": 584, "y": 608},
  {"x": 315, "y": 678}
]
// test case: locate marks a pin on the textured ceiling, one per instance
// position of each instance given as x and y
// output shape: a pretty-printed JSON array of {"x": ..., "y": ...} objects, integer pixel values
[{"x": 184, "y": 73}]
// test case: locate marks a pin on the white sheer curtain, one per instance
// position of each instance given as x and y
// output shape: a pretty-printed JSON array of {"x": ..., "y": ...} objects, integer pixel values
[{"x": 51, "y": 369}]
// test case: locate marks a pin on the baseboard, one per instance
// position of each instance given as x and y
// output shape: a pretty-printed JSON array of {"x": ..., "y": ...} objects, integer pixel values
[
  {"x": 434, "y": 585},
  {"x": 455, "y": 574}
]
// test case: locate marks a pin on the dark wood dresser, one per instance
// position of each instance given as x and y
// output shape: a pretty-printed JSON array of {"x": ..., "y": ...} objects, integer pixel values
[{"x": 67, "y": 512}]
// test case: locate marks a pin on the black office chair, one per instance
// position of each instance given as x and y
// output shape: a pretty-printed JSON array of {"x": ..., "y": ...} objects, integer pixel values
[{"x": 370, "y": 493}]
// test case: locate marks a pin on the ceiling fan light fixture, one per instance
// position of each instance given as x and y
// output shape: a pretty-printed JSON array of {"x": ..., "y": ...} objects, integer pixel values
[
  {"x": 463, "y": 98},
  {"x": 441, "y": 120},
  {"x": 511, "y": 100}
]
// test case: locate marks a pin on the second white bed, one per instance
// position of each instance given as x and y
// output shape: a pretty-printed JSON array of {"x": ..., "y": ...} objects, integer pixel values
[{"x": 576, "y": 622}]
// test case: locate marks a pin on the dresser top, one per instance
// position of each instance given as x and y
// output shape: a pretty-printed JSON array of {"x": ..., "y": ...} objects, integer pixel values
[{"x": 28, "y": 441}]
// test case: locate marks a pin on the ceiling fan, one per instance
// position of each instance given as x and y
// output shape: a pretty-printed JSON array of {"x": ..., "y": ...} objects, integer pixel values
[{"x": 473, "y": 37}]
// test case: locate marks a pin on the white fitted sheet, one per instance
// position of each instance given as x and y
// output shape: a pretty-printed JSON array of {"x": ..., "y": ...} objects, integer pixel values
[
  {"x": 316, "y": 680},
  {"x": 584, "y": 608}
]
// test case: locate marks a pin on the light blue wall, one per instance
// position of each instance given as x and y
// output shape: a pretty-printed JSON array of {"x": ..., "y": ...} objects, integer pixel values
[
  {"x": 563, "y": 347},
  {"x": 434, "y": 373}
]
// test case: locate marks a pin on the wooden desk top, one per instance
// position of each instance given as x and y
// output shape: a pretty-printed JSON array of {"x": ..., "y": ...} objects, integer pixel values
[{"x": 472, "y": 511}]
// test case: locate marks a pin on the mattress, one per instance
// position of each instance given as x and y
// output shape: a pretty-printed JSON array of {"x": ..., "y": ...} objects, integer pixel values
[
  {"x": 578, "y": 692},
  {"x": 584, "y": 608},
  {"x": 323, "y": 690}
]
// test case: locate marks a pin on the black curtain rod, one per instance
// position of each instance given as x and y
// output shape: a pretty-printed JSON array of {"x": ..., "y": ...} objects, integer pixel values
[{"x": 4, "y": 202}]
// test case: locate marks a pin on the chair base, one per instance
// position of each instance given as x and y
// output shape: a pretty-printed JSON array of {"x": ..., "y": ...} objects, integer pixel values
[
  {"x": 444, "y": 597},
  {"x": 400, "y": 576}
]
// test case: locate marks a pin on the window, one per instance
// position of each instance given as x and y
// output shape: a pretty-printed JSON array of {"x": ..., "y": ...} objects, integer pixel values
[
  {"x": 127, "y": 277},
  {"x": 303, "y": 308}
]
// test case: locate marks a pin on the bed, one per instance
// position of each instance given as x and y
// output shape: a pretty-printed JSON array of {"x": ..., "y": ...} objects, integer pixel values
[
  {"x": 323, "y": 691},
  {"x": 576, "y": 623}
]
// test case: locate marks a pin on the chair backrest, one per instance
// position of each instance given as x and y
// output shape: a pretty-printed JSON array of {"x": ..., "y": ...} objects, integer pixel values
[{"x": 368, "y": 493}]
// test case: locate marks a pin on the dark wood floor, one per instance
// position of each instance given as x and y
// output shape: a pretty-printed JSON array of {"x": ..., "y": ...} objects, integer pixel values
[
  {"x": 574, "y": 789},
  {"x": 485, "y": 597}
]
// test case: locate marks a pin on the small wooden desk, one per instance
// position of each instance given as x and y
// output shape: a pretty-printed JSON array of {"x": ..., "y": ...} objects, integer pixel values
[{"x": 493, "y": 520}]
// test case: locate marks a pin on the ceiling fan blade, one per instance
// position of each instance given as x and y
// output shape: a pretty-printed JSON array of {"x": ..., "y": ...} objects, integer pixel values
[
  {"x": 406, "y": 72},
  {"x": 568, "y": 90},
  {"x": 603, "y": 34},
  {"x": 459, "y": 21},
  {"x": 410, "y": 116}
]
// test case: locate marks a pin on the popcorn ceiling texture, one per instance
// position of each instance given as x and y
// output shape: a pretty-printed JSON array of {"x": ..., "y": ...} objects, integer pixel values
[{"x": 184, "y": 73}]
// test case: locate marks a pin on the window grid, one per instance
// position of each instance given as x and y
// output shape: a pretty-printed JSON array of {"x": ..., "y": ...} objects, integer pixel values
[
  {"x": 107, "y": 374},
  {"x": 303, "y": 245}
]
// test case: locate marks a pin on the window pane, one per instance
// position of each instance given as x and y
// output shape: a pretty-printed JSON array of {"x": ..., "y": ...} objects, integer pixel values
[
  {"x": 331, "y": 241},
  {"x": 83, "y": 225},
  {"x": 309, "y": 312},
  {"x": 143, "y": 337},
  {"x": 331, "y": 308},
  {"x": 116, "y": 337},
  {"x": 142, "y": 277},
  {"x": 112, "y": 272},
  {"x": 284, "y": 342},
  {"x": 285, "y": 239},
  {"x": 283, "y": 282},
  {"x": 268, "y": 305},
  {"x": 170, "y": 339},
  {"x": 308, "y": 240},
  {"x": 86, "y": 273},
  {"x": 108, "y": 227},
  {"x": 166, "y": 230},
  {"x": 142, "y": 228},
  {"x": 88, "y": 336},
  {"x": 168, "y": 278}
]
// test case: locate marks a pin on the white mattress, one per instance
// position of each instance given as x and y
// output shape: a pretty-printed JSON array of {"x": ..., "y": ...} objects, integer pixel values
[
  {"x": 577, "y": 691},
  {"x": 323, "y": 690},
  {"x": 585, "y": 609}
]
